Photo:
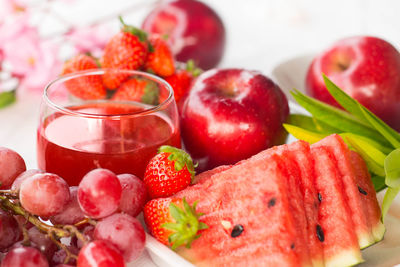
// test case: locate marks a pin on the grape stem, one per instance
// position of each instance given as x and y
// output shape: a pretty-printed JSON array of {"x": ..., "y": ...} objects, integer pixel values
[
  {"x": 10, "y": 204},
  {"x": 63, "y": 247},
  {"x": 74, "y": 231},
  {"x": 26, "y": 241},
  {"x": 9, "y": 194},
  {"x": 16, "y": 208}
]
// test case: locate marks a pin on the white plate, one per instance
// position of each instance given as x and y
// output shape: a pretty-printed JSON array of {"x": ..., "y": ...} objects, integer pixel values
[{"x": 291, "y": 75}]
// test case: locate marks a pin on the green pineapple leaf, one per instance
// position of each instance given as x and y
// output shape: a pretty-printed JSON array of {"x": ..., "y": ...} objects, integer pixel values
[
  {"x": 372, "y": 156},
  {"x": 379, "y": 183},
  {"x": 337, "y": 118},
  {"x": 310, "y": 123},
  {"x": 303, "y": 134},
  {"x": 346, "y": 101},
  {"x": 392, "y": 169},
  {"x": 390, "y": 134},
  {"x": 390, "y": 195}
]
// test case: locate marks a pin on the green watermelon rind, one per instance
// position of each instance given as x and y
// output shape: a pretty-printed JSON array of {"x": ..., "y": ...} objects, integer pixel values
[
  {"x": 366, "y": 240},
  {"x": 346, "y": 258},
  {"x": 379, "y": 231}
]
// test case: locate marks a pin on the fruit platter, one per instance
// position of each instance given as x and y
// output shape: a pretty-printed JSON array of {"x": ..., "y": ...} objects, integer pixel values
[{"x": 149, "y": 153}]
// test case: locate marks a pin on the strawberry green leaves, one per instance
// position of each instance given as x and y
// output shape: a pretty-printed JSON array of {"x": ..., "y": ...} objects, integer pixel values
[
  {"x": 180, "y": 158},
  {"x": 364, "y": 132},
  {"x": 185, "y": 229}
]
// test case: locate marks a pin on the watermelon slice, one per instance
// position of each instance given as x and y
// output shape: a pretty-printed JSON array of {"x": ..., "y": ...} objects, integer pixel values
[
  {"x": 299, "y": 164},
  {"x": 336, "y": 229},
  {"x": 341, "y": 157},
  {"x": 296, "y": 201},
  {"x": 247, "y": 208},
  {"x": 299, "y": 151},
  {"x": 368, "y": 195}
]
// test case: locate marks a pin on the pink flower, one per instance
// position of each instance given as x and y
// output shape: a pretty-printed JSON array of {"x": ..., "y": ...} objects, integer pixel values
[
  {"x": 90, "y": 39},
  {"x": 19, "y": 44},
  {"x": 34, "y": 61},
  {"x": 11, "y": 7},
  {"x": 45, "y": 68}
]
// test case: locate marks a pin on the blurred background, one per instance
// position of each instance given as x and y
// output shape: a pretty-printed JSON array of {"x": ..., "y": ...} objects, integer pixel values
[{"x": 261, "y": 35}]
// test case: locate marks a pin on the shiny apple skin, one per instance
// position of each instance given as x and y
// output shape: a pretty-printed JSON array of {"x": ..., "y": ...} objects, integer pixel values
[
  {"x": 230, "y": 115},
  {"x": 367, "y": 68},
  {"x": 194, "y": 31}
]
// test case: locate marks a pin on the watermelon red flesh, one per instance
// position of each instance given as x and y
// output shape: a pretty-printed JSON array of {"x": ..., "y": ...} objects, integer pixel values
[
  {"x": 368, "y": 195},
  {"x": 341, "y": 155},
  {"x": 300, "y": 152},
  {"x": 340, "y": 242},
  {"x": 304, "y": 202},
  {"x": 207, "y": 174},
  {"x": 255, "y": 195},
  {"x": 292, "y": 173}
]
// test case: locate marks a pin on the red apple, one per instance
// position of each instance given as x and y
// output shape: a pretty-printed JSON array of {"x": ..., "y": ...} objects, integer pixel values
[
  {"x": 194, "y": 31},
  {"x": 230, "y": 115},
  {"x": 367, "y": 68}
]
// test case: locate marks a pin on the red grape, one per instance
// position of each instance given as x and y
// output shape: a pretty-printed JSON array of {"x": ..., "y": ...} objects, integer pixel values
[
  {"x": 42, "y": 242},
  {"x": 64, "y": 265},
  {"x": 11, "y": 165},
  {"x": 72, "y": 212},
  {"x": 9, "y": 230},
  {"x": 100, "y": 253},
  {"x": 60, "y": 256},
  {"x": 88, "y": 232},
  {"x": 28, "y": 173},
  {"x": 99, "y": 193},
  {"x": 124, "y": 232},
  {"x": 24, "y": 256},
  {"x": 44, "y": 194},
  {"x": 134, "y": 194}
]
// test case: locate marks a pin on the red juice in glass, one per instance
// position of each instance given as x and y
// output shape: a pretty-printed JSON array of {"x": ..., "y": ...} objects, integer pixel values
[{"x": 119, "y": 136}]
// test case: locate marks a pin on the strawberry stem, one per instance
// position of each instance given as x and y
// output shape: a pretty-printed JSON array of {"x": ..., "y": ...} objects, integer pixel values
[
  {"x": 180, "y": 158},
  {"x": 142, "y": 35},
  {"x": 192, "y": 68}
]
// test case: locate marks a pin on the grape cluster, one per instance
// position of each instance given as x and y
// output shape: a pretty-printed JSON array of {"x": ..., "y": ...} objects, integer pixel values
[{"x": 44, "y": 222}]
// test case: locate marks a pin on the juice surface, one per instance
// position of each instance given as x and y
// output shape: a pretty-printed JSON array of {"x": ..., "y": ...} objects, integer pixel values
[{"x": 71, "y": 146}]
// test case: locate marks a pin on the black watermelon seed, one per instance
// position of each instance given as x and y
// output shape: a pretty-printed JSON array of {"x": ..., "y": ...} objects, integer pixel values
[
  {"x": 237, "y": 230},
  {"x": 271, "y": 202},
  {"x": 292, "y": 246},
  {"x": 319, "y": 197},
  {"x": 320, "y": 233},
  {"x": 362, "y": 191}
]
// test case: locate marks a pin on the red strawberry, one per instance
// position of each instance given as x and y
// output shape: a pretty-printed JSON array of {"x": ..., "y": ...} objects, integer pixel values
[
  {"x": 173, "y": 222},
  {"x": 126, "y": 50},
  {"x": 168, "y": 172},
  {"x": 139, "y": 90},
  {"x": 85, "y": 87},
  {"x": 160, "y": 61},
  {"x": 182, "y": 79}
]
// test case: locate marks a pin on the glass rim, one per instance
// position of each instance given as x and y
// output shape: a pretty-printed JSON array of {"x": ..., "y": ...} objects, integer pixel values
[{"x": 70, "y": 76}]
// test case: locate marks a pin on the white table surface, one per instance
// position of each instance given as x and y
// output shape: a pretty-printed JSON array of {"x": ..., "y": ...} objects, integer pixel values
[{"x": 261, "y": 34}]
